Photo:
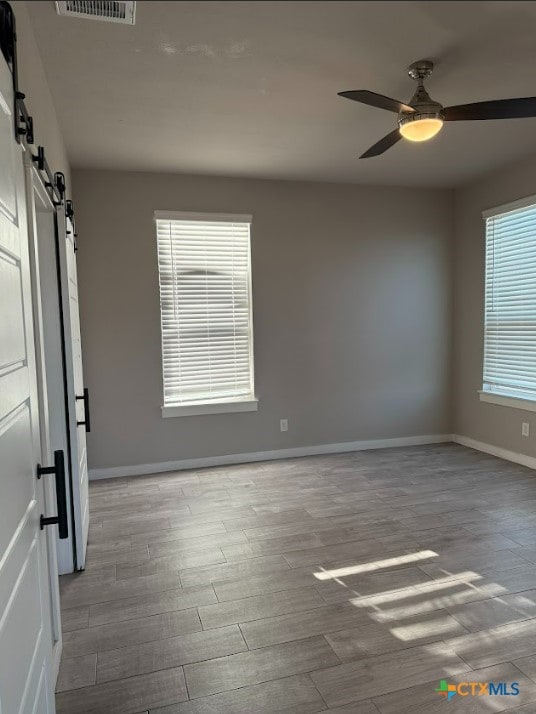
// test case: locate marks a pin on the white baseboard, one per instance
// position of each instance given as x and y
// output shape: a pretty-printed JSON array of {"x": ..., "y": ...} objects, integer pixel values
[
  {"x": 514, "y": 456},
  {"x": 142, "y": 469}
]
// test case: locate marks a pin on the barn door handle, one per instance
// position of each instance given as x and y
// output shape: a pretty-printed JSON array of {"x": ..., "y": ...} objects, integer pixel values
[
  {"x": 86, "y": 422},
  {"x": 59, "y": 471}
]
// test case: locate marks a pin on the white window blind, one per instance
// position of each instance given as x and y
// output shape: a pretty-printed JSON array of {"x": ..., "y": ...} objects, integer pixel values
[
  {"x": 510, "y": 307},
  {"x": 205, "y": 301}
]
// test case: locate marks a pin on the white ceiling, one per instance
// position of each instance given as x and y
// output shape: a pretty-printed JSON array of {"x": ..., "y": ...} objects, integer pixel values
[{"x": 250, "y": 88}]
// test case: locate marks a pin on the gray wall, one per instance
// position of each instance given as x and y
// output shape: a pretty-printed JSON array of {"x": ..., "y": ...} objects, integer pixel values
[
  {"x": 493, "y": 424},
  {"x": 352, "y": 314},
  {"x": 33, "y": 82}
]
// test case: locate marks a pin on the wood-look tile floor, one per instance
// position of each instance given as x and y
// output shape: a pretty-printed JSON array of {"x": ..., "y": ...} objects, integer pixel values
[{"x": 343, "y": 583}]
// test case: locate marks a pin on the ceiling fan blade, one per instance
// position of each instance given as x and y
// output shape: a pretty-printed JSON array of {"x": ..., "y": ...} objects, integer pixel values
[
  {"x": 382, "y": 145},
  {"x": 497, "y": 109},
  {"x": 376, "y": 100}
]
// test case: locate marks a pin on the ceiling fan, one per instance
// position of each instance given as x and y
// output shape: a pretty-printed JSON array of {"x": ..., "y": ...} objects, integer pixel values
[{"x": 422, "y": 118}]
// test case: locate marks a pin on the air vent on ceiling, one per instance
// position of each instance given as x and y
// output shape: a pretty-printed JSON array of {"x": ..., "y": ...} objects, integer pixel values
[{"x": 99, "y": 10}]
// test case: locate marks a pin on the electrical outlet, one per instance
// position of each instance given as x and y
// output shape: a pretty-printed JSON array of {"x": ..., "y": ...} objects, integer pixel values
[
  {"x": 283, "y": 424},
  {"x": 525, "y": 428}
]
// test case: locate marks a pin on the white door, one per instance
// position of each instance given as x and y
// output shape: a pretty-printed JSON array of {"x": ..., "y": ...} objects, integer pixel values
[
  {"x": 77, "y": 396},
  {"x": 27, "y": 645},
  {"x": 42, "y": 228}
]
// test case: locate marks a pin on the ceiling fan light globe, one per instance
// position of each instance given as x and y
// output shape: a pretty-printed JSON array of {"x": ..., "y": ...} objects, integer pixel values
[{"x": 420, "y": 129}]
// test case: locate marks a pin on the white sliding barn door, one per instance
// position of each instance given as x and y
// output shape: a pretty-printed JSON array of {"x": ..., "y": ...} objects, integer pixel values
[
  {"x": 27, "y": 676},
  {"x": 76, "y": 396},
  {"x": 42, "y": 229}
]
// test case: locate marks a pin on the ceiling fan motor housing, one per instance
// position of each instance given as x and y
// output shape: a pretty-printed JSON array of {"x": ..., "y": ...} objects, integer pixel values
[
  {"x": 423, "y": 105},
  {"x": 432, "y": 110}
]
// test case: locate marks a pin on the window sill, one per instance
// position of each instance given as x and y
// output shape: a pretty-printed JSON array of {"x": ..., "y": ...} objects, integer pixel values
[
  {"x": 249, "y": 405},
  {"x": 528, "y": 405}
]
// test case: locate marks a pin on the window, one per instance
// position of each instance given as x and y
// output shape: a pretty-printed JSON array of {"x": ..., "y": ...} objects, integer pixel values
[
  {"x": 510, "y": 306},
  {"x": 205, "y": 306}
]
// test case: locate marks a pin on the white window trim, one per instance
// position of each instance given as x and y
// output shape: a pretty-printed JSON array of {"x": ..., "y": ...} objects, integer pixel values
[
  {"x": 243, "y": 405},
  {"x": 505, "y": 400},
  {"x": 509, "y": 207},
  {"x": 225, "y": 406},
  {"x": 485, "y": 395},
  {"x": 193, "y": 216}
]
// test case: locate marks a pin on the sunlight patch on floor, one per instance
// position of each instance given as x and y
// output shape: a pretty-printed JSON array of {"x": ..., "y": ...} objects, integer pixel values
[
  {"x": 375, "y": 565},
  {"x": 415, "y": 590},
  {"x": 418, "y": 607},
  {"x": 430, "y": 628}
]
